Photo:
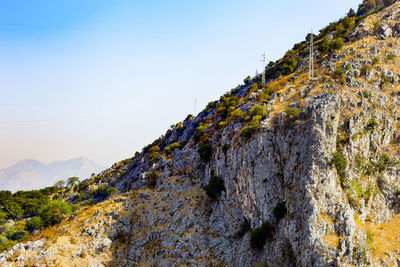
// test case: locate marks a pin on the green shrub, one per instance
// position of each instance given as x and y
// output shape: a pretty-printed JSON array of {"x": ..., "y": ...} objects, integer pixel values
[
  {"x": 366, "y": 94},
  {"x": 380, "y": 166},
  {"x": 341, "y": 141},
  {"x": 383, "y": 163},
  {"x": 397, "y": 193},
  {"x": 18, "y": 236},
  {"x": 363, "y": 165},
  {"x": 390, "y": 56},
  {"x": 351, "y": 13},
  {"x": 387, "y": 2},
  {"x": 214, "y": 187},
  {"x": 13, "y": 209},
  {"x": 244, "y": 228},
  {"x": 3, "y": 217},
  {"x": 265, "y": 95},
  {"x": 72, "y": 181},
  {"x": 279, "y": 210},
  {"x": 372, "y": 124},
  {"x": 200, "y": 132},
  {"x": 384, "y": 80},
  {"x": 339, "y": 162},
  {"x": 33, "y": 224},
  {"x": 153, "y": 152},
  {"x": 386, "y": 159},
  {"x": 336, "y": 44},
  {"x": 151, "y": 179},
  {"x": 81, "y": 187},
  {"x": 324, "y": 46},
  {"x": 259, "y": 111},
  {"x": 253, "y": 127},
  {"x": 253, "y": 87},
  {"x": 60, "y": 184},
  {"x": 228, "y": 104},
  {"x": 236, "y": 114},
  {"x": 54, "y": 212},
  {"x": 375, "y": 61},
  {"x": 169, "y": 149},
  {"x": 225, "y": 148},
  {"x": 370, "y": 236},
  {"x": 292, "y": 113},
  {"x": 339, "y": 72},
  {"x": 259, "y": 236},
  {"x": 289, "y": 66},
  {"x": 103, "y": 192},
  {"x": 366, "y": 69},
  {"x": 205, "y": 152}
]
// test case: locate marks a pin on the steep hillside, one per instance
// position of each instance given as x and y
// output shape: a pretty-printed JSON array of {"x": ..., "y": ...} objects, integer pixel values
[
  {"x": 32, "y": 174},
  {"x": 299, "y": 172}
]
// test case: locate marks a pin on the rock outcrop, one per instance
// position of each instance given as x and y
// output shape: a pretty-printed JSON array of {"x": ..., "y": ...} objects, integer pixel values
[{"x": 310, "y": 175}]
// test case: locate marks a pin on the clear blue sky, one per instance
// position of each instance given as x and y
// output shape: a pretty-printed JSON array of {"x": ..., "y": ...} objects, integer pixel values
[{"x": 102, "y": 79}]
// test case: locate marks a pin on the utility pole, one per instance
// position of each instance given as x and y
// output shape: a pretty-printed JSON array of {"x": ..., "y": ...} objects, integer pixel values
[
  {"x": 264, "y": 61},
  {"x": 311, "y": 62}
]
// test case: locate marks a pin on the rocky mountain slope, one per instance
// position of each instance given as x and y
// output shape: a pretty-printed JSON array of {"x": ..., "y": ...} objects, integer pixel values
[
  {"x": 300, "y": 172},
  {"x": 32, "y": 174}
]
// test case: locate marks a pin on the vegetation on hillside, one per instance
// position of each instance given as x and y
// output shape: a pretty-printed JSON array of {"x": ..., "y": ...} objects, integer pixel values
[{"x": 26, "y": 211}]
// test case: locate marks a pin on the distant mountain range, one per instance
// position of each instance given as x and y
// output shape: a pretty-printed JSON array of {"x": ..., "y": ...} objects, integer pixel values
[{"x": 32, "y": 174}]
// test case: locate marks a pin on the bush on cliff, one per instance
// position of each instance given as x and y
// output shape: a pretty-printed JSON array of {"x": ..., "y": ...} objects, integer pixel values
[
  {"x": 214, "y": 187},
  {"x": 259, "y": 236},
  {"x": 205, "y": 152}
]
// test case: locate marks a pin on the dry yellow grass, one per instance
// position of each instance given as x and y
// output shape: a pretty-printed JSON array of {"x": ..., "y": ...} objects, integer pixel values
[
  {"x": 331, "y": 239},
  {"x": 384, "y": 238}
]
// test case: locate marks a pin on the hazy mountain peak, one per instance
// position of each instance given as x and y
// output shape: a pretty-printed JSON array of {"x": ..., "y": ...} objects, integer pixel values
[{"x": 32, "y": 174}]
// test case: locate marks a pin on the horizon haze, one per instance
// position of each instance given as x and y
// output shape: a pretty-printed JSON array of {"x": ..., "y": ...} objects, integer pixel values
[{"x": 104, "y": 79}]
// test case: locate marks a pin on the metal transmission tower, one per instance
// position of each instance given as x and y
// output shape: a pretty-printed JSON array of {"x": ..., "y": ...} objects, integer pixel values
[
  {"x": 264, "y": 61},
  {"x": 311, "y": 62}
]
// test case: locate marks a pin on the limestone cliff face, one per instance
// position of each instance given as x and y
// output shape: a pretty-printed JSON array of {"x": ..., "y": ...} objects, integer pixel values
[{"x": 325, "y": 155}]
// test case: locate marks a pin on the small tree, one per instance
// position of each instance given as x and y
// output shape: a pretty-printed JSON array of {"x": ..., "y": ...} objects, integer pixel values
[
  {"x": 13, "y": 209},
  {"x": 339, "y": 72},
  {"x": 324, "y": 46},
  {"x": 387, "y": 2},
  {"x": 205, "y": 152},
  {"x": 153, "y": 152},
  {"x": 375, "y": 61},
  {"x": 151, "y": 179},
  {"x": 259, "y": 236},
  {"x": 351, "y": 13},
  {"x": 339, "y": 162},
  {"x": 247, "y": 80},
  {"x": 72, "y": 181},
  {"x": 214, "y": 187},
  {"x": 372, "y": 124},
  {"x": 3, "y": 217},
  {"x": 60, "y": 184},
  {"x": 336, "y": 44},
  {"x": 366, "y": 69},
  {"x": 293, "y": 113},
  {"x": 33, "y": 224},
  {"x": 102, "y": 192},
  {"x": 260, "y": 111},
  {"x": 55, "y": 212},
  {"x": 279, "y": 210}
]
